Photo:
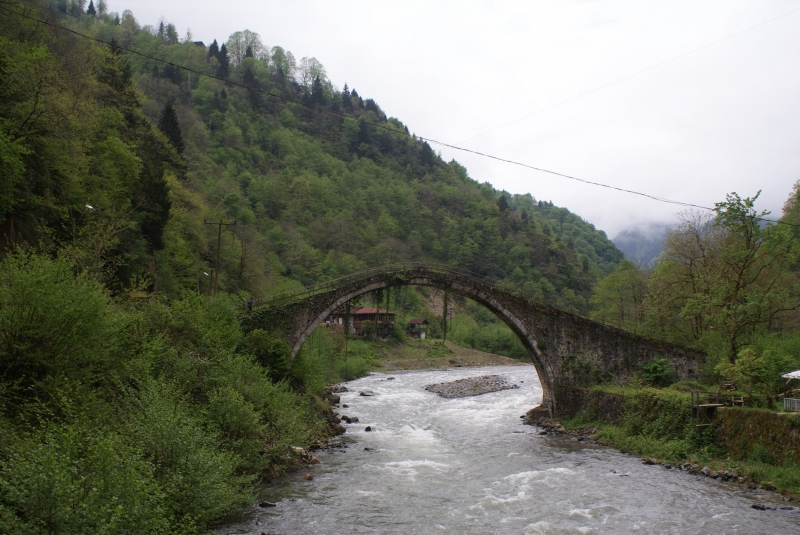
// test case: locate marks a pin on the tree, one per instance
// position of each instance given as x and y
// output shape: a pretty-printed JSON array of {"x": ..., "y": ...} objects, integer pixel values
[
  {"x": 171, "y": 34},
  {"x": 213, "y": 49},
  {"x": 309, "y": 69},
  {"x": 239, "y": 42},
  {"x": 224, "y": 62},
  {"x": 169, "y": 125},
  {"x": 317, "y": 92},
  {"x": 755, "y": 284},
  {"x": 347, "y": 102},
  {"x": 283, "y": 62},
  {"x": 102, "y": 8},
  {"x": 91, "y": 10},
  {"x": 745, "y": 370},
  {"x": 620, "y": 298},
  {"x": 502, "y": 203},
  {"x": 724, "y": 278}
]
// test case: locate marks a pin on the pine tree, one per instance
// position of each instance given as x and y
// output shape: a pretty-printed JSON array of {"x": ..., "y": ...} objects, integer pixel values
[
  {"x": 248, "y": 53},
  {"x": 169, "y": 125},
  {"x": 91, "y": 10},
  {"x": 224, "y": 62},
  {"x": 317, "y": 92},
  {"x": 213, "y": 49},
  {"x": 347, "y": 102},
  {"x": 502, "y": 203}
]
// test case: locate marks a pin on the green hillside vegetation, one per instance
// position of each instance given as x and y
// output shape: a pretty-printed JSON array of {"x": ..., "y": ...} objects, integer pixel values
[
  {"x": 315, "y": 196},
  {"x": 130, "y": 400},
  {"x": 725, "y": 283}
]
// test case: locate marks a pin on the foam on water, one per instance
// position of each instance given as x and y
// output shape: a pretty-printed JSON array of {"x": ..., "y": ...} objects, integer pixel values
[{"x": 468, "y": 466}]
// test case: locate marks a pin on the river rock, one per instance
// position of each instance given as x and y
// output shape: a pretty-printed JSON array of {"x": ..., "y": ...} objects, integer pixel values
[
  {"x": 368, "y": 428},
  {"x": 472, "y": 386},
  {"x": 333, "y": 398},
  {"x": 308, "y": 477},
  {"x": 366, "y": 393},
  {"x": 267, "y": 504}
]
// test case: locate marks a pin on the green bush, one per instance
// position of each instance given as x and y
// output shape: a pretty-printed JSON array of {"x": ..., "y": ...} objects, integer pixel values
[
  {"x": 199, "y": 481},
  {"x": 657, "y": 372},
  {"x": 76, "y": 480},
  {"x": 353, "y": 367},
  {"x": 52, "y": 323},
  {"x": 271, "y": 352}
]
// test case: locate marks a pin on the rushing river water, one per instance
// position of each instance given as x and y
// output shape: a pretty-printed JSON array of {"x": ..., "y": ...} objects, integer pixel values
[{"x": 435, "y": 465}]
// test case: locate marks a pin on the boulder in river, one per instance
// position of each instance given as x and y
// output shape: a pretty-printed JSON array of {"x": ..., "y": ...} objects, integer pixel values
[
  {"x": 368, "y": 428},
  {"x": 366, "y": 393}
]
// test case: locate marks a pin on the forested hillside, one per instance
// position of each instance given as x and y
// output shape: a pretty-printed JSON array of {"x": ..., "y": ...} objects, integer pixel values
[
  {"x": 130, "y": 399},
  {"x": 314, "y": 195}
]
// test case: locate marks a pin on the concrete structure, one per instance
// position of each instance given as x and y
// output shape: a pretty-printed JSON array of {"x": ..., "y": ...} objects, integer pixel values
[{"x": 565, "y": 348}]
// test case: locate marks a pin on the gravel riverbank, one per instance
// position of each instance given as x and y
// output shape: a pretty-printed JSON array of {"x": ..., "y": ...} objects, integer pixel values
[{"x": 473, "y": 386}]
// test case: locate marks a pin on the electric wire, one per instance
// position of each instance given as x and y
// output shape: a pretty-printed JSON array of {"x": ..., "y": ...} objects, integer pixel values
[{"x": 376, "y": 125}]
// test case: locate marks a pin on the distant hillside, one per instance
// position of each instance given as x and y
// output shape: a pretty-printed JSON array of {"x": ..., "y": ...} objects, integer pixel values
[
  {"x": 643, "y": 245},
  {"x": 314, "y": 195}
]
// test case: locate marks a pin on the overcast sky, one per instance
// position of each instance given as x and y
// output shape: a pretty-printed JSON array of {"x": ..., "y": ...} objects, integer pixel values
[{"x": 721, "y": 119}]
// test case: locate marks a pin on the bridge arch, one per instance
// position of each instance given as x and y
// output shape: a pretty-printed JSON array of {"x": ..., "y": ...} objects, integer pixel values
[
  {"x": 526, "y": 336},
  {"x": 567, "y": 350}
]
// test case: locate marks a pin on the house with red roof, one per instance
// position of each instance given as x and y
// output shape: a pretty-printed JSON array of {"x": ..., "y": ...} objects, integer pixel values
[{"x": 381, "y": 321}]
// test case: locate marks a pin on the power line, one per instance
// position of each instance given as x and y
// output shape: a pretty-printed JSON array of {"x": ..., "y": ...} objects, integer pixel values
[
  {"x": 537, "y": 112},
  {"x": 377, "y": 125}
]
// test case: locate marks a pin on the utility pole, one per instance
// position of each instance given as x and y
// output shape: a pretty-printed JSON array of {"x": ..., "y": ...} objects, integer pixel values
[
  {"x": 219, "y": 246},
  {"x": 444, "y": 318}
]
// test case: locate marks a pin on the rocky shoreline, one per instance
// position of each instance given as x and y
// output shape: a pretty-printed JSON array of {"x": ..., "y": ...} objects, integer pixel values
[
  {"x": 587, "y": 435},
  {"x": 472, "y": 386}
]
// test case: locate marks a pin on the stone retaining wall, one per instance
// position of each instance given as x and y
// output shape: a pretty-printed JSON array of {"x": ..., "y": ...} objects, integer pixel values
[
  {"x": 744, "y": 431},
  {"x": 604, "y": 406}
]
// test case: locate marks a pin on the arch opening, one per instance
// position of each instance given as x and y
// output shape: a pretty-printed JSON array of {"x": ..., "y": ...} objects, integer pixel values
[{"x": 517, "y": 325}]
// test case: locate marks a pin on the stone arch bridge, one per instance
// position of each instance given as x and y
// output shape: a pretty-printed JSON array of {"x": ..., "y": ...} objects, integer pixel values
[{"x": 566, "y": 349}]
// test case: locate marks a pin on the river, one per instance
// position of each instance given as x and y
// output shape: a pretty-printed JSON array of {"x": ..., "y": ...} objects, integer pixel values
[{"x": 468, "y": 466}]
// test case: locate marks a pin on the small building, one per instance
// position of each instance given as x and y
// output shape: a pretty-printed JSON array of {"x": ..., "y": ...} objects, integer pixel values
[
  {"x": 381, "y": 320},
  {"x": 417, "y": 328}
]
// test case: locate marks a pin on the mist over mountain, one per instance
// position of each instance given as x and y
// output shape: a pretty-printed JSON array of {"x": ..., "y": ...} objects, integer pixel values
[{"x": 643, "y": 245}]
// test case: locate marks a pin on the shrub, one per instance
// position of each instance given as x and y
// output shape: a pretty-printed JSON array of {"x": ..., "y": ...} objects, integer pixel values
[
  {"x": 271, "y": 352},
  {"x": 76, "y": 480},
  {"x": 657, "y": 372},
  {"x": 52, "y": 322},
  {"x": 199, "y": 481}
]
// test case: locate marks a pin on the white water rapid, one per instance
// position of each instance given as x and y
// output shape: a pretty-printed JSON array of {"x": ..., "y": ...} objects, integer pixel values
[{"x": 468, "y": 466}]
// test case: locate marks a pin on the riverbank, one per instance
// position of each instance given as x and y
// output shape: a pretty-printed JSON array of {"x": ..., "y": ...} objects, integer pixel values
[
  {"x": 467, "y": 465},
  {"x": 750, "y": 447},
  {"x": 433, "y": 355}
]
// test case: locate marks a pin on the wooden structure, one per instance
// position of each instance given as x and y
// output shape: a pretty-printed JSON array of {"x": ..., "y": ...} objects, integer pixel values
[
  {"x": 705, "y": 404},
  {"x": 417, "y": 327},
  {"x": 381, "y": 320}
]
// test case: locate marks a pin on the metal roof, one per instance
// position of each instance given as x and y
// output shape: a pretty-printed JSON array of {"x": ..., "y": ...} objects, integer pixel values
[{"x": 792, "y": 375}]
